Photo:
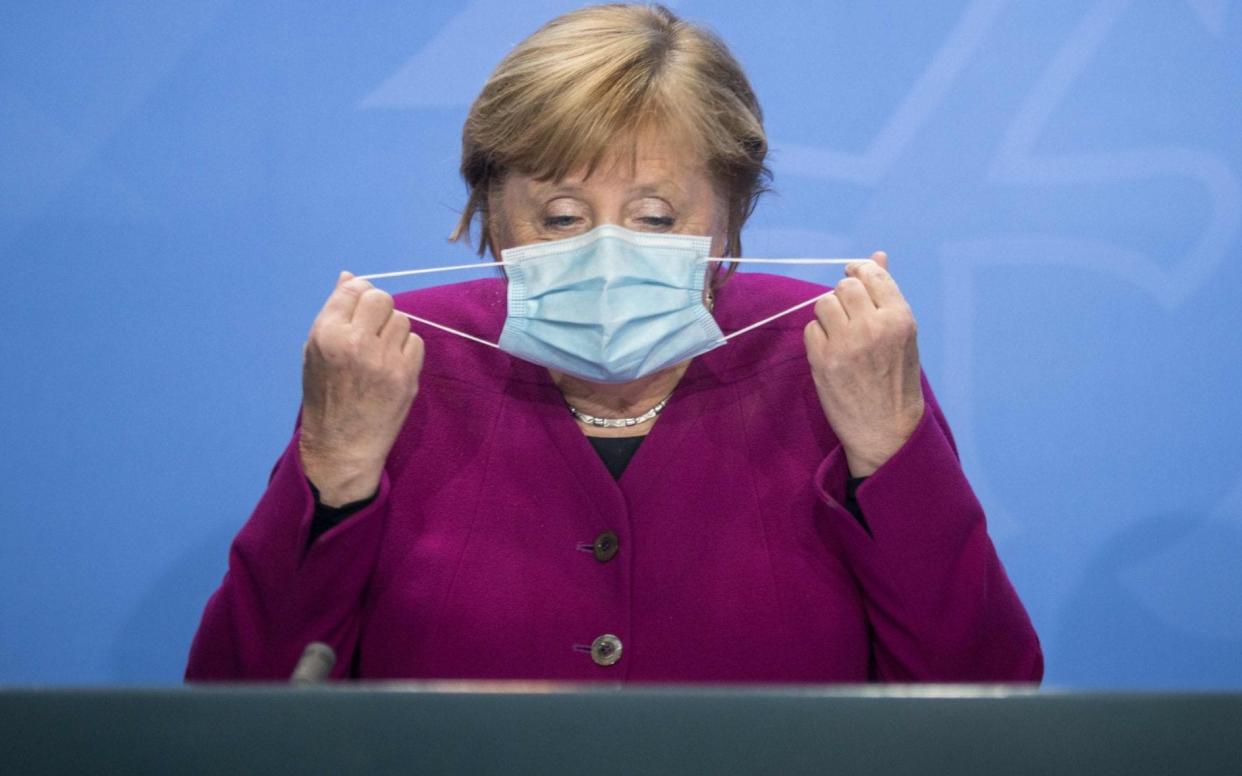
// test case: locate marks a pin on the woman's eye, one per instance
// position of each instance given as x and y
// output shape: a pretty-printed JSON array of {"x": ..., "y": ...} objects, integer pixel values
[
  {"x": 559, "y": 222},
  {"x": 659, "y": 222}
]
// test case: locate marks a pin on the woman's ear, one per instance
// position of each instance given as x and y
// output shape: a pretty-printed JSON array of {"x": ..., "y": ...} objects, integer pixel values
[
  {"x": 494, "y": 235},
  {"x": 721, "y": 228},
  {"x": 719, "y": 233},
  {"x": 494, "y": 231}
]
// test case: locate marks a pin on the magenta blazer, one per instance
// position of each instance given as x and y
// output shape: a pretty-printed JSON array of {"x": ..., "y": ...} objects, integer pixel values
[{"x": 734, "y": 559}]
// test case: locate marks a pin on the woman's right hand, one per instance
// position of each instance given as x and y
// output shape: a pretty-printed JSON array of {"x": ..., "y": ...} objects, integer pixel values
[{"x": 359, "y": 376}]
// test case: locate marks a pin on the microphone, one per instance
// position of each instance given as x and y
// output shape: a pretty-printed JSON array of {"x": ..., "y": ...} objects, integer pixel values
[{"x": 314, "y": 665}]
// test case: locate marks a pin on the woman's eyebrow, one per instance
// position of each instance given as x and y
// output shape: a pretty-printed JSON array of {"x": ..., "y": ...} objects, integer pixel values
[
  {"x": 541, "y": 189},
  {"x": 653, "y": 189},
  {"x": 667, "y": 189}
]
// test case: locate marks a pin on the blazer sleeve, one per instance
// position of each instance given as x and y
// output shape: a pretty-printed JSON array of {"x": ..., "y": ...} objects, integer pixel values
[
  {"x": 282, "y": 591},
  {"x": 940, "y": 605}
]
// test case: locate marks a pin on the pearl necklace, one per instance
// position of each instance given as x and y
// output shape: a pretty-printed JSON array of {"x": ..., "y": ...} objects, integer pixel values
[{"x": 592, "y": 420}]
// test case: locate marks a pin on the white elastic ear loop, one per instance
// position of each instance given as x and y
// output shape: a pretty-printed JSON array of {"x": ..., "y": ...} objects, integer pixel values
[
  {"x": 477, "y": 265},
  {"x": 406, "y": 272},
  {"x": 771, "y": 318},
  {"x": 783, "y": 261},
  {"x": 796, "y": 307},
  {"x": 433, "y": 324},
  {"x": 449, "y": 329}
]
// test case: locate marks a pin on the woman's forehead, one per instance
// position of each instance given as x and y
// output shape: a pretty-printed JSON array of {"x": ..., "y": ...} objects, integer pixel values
[{"x": 651, "y": 164}]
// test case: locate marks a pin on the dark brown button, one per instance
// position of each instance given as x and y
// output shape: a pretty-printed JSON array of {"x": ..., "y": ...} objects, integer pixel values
[
  {"x": 605, "y": 546},
  {"x": 606, "y": 650}
]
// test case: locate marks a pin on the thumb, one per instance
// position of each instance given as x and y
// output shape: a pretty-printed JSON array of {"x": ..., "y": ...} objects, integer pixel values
[
  {"x": 343, "y": 277},
  {"x": 881, "y": 258}
]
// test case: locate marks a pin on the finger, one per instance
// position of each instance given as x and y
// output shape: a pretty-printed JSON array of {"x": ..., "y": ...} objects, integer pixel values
[
  {"x": 854, "y": 297},
  {"x": 413, "y": 351},
  {"x": 412, "y": 342},
  {"x": 394, "y": 331},
  {"x": 814, "y": 337},
  {"x": 880, "y": 285},
  {"x": 344, "y": 298},
  {"x": 831, "y": 315},
  {"x": 879, "y": 257},
  {"x": 374, "y": 308}
]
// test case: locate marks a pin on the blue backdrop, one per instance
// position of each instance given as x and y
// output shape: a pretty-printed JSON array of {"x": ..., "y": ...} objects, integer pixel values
[{"x": 1057, "y": 185}]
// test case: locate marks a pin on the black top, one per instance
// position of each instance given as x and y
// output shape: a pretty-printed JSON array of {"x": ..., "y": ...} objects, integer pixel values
[{"x": 615, "y": 452}]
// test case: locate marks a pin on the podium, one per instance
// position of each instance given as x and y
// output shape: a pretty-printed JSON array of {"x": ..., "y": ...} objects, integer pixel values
[{"x": 542, "y": 728}]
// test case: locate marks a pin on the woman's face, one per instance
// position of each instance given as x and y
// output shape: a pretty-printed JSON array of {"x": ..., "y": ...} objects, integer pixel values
[{"x": 665, "y": 190}]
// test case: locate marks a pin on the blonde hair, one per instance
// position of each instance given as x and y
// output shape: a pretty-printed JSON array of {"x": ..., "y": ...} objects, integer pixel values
[{"x": 588, "y": 83}]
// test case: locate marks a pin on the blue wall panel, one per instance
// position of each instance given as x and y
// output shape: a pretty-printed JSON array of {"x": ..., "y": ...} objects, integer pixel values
[{"x": 1057, "y": 185}]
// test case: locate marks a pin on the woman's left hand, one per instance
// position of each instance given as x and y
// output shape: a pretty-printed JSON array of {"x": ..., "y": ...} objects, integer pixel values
[{"x": 864, "y": 354}]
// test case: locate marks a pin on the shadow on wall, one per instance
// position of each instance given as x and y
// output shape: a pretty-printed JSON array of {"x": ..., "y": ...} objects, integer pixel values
[
  {"x": 1136, "y": 586},
  {"x": 155, "y": 642}
]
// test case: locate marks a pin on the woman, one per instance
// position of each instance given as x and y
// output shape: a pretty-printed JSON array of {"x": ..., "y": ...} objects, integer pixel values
[{"x": 610, "y": 494}]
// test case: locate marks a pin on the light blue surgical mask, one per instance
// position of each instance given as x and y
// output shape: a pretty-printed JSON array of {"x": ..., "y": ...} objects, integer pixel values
[{"x": 611, "y": 305}]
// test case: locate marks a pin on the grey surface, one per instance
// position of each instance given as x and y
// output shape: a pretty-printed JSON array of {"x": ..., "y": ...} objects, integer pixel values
[{"x": 541, "y": 728}]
